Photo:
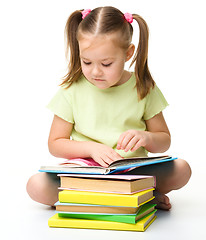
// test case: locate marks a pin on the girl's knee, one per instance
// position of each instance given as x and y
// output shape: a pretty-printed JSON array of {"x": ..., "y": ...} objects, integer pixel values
[
  {"x": 184, "y": 169},
  {"x": 43, "y": 188},
  {"x": 178, "y": 177},
  {"x": 183, "y": 173},
  {"x": 34, "y": 187}
]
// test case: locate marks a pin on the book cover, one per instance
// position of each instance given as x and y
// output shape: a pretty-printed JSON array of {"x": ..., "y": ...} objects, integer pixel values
[
  {"x": 133, "y": 200},
  {"x": 144, "y": 211},
  {"x": 115, "y": 167},
  {"x": 125, "y": 184},
  {"x": 94, "y": 208},
  {"x": 61, "y": 222}
]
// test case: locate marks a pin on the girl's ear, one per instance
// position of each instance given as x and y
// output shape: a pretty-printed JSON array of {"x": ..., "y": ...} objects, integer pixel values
[{"x": 130, "y": 52}]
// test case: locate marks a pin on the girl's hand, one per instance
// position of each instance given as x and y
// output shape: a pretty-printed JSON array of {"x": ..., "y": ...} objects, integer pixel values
[
  {"x": 132, "y": 140},
  {"x": 103, "y": 154}
]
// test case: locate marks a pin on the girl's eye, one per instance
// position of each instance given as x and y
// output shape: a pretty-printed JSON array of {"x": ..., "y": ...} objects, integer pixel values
[
  {"x": 106, "y": 65},
  {"x": 87, "y": 63}
]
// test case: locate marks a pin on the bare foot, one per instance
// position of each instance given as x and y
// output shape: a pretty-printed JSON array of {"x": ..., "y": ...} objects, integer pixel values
[{"x": 162, "y": 201}]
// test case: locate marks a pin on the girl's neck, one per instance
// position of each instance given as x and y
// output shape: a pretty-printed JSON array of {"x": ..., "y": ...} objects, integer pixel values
[{"x": 125, "y": 77}]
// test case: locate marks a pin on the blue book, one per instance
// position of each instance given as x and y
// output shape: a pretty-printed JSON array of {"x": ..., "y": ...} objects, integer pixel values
[{"x": 79, "y": 166}]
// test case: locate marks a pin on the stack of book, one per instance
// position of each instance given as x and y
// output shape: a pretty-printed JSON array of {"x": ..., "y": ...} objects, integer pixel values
[{"x": 110, "y": 202}]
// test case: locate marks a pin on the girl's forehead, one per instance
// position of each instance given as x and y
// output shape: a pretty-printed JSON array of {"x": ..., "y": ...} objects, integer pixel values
[
  {"x": 92, "y": 41},
  {"x": 89, "y": 41}
]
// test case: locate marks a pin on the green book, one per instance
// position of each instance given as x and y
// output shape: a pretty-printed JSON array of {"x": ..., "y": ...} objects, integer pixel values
[{"x": 143, "y": 212}]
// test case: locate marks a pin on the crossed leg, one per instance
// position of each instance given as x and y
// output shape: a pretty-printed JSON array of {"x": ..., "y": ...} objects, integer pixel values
[
  {"x": 43, "y": 187},
  {"x": 170, "y": 176}
]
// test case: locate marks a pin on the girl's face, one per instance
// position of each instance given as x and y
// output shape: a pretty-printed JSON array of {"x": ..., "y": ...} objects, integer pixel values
[{"x": 103, "y": 61}]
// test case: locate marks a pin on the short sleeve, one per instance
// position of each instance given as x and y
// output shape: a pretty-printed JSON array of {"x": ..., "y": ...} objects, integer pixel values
[
  {"x": 155, "y": 103},
  {"x": 61, "y": 105}
]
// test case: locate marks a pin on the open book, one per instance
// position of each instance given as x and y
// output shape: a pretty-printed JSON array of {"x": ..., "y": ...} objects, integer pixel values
[{"x": 89, "y": 166}]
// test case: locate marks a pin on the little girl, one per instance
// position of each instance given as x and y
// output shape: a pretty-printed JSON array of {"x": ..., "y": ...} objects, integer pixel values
[{"x": 104, "y": 112}]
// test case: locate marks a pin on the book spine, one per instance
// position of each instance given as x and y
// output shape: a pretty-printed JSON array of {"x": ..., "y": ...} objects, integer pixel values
[
  {"x": 98, "y": 191},
  {"x": 97, "y": 198},
  {"x": 57, "y": 221},
  {"x": 69, "y": 196}
]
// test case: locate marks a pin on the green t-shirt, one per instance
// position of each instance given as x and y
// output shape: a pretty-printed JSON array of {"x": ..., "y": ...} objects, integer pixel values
[{"x": 102, "y": 115}]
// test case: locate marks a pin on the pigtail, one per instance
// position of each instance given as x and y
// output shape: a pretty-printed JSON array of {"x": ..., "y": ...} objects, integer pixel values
[
  {"x": 144, "y": 80},
  {"x": 72, "y": 48}
]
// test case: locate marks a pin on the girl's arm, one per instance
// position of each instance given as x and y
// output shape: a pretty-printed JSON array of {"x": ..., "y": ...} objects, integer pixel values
[
  {"x": 61, "y": 146},
  {"x": 59, "y": 142},
  {"x": 155, "y": 139},
  {"x": 159, "y": 134}
]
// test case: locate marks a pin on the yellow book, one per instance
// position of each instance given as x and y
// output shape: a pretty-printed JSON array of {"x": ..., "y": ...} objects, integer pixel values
[
  {"x": 112, "y": 199},
  {"x": 61, "y": 222}
]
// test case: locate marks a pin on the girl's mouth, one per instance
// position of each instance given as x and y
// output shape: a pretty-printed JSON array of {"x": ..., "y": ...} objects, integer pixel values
[{"x": 99, "y": 80}]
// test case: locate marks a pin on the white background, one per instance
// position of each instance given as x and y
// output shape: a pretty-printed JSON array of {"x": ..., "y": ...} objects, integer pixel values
[{"x": 32, "y": 63}]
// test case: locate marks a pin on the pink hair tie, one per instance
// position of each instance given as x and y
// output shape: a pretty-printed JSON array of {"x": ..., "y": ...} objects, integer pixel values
[
  {"x": 85, "y": 12},
  {"x": 128, "y": 17}
]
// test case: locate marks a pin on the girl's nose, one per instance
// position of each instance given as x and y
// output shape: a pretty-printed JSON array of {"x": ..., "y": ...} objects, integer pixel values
[{"x": 96, "y": 71}]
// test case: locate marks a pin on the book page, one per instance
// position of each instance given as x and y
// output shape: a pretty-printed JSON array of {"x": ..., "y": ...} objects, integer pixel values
[{"x": 130, "y": 161}]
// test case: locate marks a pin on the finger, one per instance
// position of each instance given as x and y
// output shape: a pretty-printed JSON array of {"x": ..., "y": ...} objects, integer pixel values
[
  {"x": 111, "y": 157},
  {"x": 101, "y": 162},
  {"x": 116, "y": 156},
  {"x": 131, "y": 143},
  {"x": 137, "y": 145},
  {"x": 107, "y": 159},
  {"x": 119, "y": 143},
  {"x": 126, "y": 140}
]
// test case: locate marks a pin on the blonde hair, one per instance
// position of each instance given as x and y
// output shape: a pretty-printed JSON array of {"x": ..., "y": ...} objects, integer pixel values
[{"x": 107, "y": 20}]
